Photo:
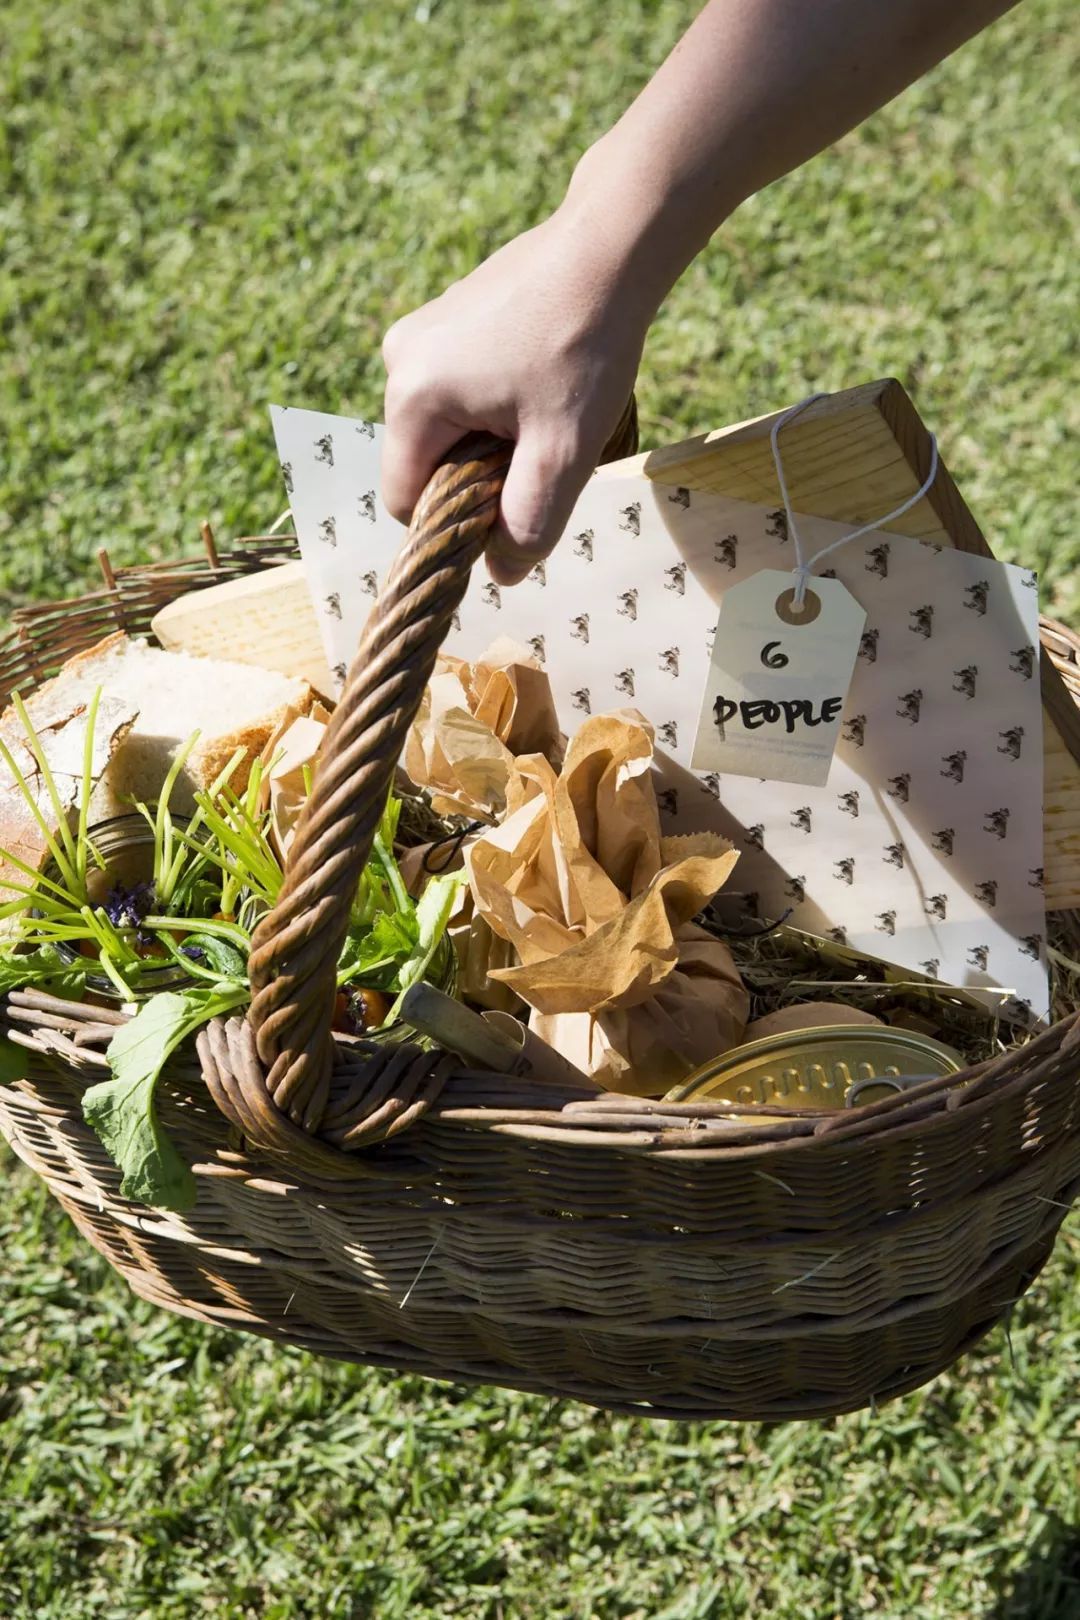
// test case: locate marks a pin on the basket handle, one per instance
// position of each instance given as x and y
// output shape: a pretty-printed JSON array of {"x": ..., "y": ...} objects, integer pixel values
[{"x": 296, "y": 946}]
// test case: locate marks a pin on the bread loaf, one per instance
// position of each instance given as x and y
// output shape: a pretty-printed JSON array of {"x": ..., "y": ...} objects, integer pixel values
[
  {"x": 177, "y": 693},
  {"x": 60, "y": 724},
  {"x": 152, "y": 701}
]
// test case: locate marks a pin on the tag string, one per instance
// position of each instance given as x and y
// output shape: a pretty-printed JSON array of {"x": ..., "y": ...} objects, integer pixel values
[{"x": 804, "y": 567}]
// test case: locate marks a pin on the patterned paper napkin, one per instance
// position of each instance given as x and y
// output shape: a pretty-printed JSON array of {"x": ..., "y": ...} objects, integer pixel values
[{"x": 925, "y": 845}]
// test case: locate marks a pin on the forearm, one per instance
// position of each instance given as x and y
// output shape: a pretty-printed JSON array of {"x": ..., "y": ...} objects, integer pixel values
[
  {"x": 540, "y": 344},
  {"x": 754, "y": 88}
]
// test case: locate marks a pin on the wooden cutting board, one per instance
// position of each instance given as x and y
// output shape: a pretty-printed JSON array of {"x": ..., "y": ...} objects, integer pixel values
[{"x": 264, "y": 618}]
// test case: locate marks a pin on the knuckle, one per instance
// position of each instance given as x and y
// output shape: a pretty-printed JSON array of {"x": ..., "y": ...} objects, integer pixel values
[
  {"x": 566, "y": 447},
  {"x": 405, "y": 388},
  {"x": 397, "y": 342},
  {"x": 551, "y": 459}
]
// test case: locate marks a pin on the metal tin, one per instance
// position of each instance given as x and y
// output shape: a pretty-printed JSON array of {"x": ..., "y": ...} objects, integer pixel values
[{"x": 834, "y": 1066}]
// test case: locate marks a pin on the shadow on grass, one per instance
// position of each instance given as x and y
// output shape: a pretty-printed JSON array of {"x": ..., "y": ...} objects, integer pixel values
[{"x": 1048, "y": 1585}]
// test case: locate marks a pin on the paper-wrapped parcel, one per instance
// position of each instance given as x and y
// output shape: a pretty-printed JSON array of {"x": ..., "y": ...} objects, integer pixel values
[
  {"x": 599, "y": 907},
  {"x": 473, "y": 721}
]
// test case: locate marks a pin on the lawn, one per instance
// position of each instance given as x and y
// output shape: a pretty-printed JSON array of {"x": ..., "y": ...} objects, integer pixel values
[{"x": 210, "y": 207}]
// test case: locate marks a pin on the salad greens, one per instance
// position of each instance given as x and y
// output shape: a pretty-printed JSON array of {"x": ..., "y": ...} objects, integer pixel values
[
  {"x": 212, "y": 877},
  {"x": 45, "y": 968},
  {"x": 121, "y": 1109}
]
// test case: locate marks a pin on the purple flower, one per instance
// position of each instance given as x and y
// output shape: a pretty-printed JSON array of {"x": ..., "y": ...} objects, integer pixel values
[
  {"x": 126, "y": 908},
  {"x": 194, "y": 953}
]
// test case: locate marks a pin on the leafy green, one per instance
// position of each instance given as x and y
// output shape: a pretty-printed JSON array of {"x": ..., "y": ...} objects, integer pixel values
[
  {"x": 433, "y": 912},
  {"x": 220, "y": 954},
  {"x": 121, "y": 1110},
  {"x": 213, "y": 878},
  {"x": 375, "y": 950},
  {"x": 45, "y": 968},
  {"x": 390, "y": 945}
]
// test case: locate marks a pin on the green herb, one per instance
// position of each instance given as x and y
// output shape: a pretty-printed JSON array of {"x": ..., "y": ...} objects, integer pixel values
[
  {"x": 433, "y": 912},
  {"x": 220, "y": 954},
  {"x": 46, "y": 969},
  {"x": 121, "y": 1110},
  {"x": 373, "y": 950},
  {"x": 213, "y": 879}
]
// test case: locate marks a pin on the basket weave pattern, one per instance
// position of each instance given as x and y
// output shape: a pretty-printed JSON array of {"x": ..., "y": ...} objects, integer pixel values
[{"x": 401, "y": 1210}]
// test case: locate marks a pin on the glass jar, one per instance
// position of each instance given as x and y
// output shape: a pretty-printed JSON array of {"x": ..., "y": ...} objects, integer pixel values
[{"x": 126, "y": 845}]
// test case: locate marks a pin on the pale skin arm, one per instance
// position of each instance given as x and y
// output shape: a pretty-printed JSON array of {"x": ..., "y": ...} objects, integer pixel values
[{"x": 541, "y": 343}]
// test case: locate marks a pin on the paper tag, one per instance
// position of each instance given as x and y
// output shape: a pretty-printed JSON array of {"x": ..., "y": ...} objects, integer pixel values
[{"x": 778, "y": 679}]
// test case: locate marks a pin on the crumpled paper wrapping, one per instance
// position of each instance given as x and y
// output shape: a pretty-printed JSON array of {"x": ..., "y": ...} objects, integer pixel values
[
  {"x": 290, "y": 751},
  {"x": 473, "y": 721},
  {"x": 598, "y": 906}
]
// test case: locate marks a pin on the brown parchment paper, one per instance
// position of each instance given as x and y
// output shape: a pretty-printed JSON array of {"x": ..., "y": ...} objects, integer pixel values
[
  {"x": 473, "y": 721},
  {"x": 598, "y": 906},
  {"x": 290, "y": 754}
]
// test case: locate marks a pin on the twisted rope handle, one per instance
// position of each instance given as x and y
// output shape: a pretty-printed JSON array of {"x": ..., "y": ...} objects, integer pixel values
[{"x": 296, "y": 947}]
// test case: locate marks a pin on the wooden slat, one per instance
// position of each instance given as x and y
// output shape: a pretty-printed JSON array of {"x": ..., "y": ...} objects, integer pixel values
[
  {"x": 265, "y": 618},
  {"x": 850, "y": 457},
  {"x": 842, "y": 457}
]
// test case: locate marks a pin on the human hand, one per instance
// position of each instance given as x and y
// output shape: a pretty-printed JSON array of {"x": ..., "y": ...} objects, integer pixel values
[{"x": 539, "y": 345}]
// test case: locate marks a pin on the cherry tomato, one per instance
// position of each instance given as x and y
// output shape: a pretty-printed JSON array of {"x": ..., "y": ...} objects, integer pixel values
[
  {"x": 358, "y": 1011},
  {"x": 370, "y": 1008}
]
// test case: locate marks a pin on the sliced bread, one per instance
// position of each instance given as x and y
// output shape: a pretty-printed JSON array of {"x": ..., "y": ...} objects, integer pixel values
[{"x": 152, "y": 702}]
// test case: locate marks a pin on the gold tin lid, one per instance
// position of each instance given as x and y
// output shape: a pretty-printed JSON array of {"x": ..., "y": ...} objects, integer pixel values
[{"x": 821, "y": 1068}]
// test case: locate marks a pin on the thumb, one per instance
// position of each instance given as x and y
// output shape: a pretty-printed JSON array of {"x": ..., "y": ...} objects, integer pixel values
[{"x": 546, "y": 477}]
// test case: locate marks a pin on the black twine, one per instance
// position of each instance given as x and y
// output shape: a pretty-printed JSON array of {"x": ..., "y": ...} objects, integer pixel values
[{"x": 454, "y": 843}]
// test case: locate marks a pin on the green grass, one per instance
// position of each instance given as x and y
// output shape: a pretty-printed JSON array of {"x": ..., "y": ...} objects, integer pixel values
[
  {"x": 208, "y": 207},
  {"x": 151, "y": 1467}
]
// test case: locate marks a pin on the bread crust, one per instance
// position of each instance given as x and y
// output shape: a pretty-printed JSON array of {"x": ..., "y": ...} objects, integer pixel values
[
  {"x": 61, "y": 703},
  {"x": 71, "y": 666},
  {"x": 208, "y": 759}
]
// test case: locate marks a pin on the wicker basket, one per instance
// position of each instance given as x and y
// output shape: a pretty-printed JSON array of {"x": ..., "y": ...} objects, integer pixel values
[{"x": 399, "y": 1210}]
